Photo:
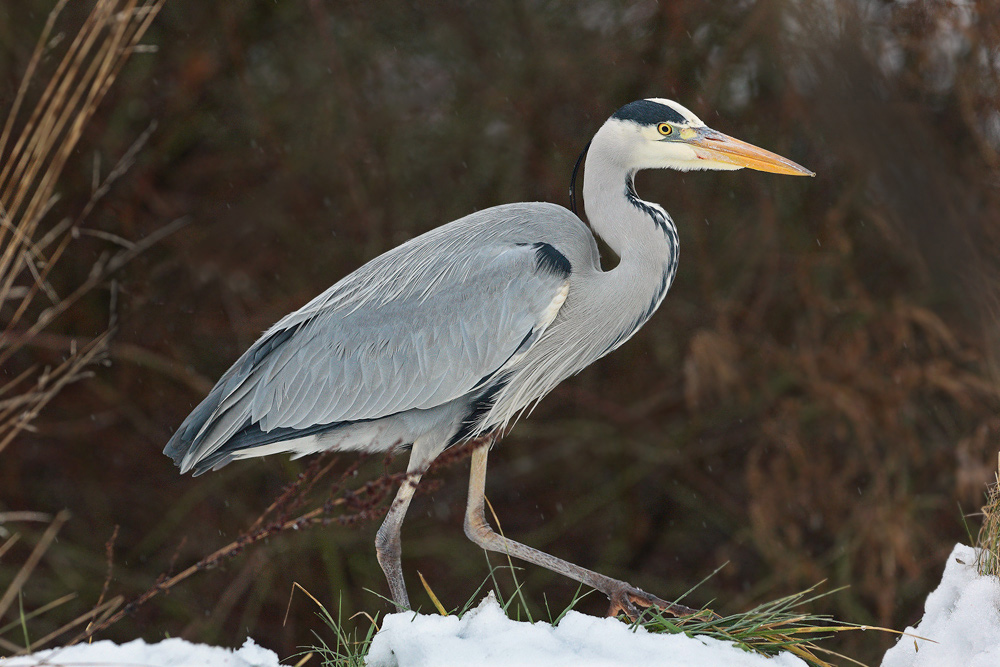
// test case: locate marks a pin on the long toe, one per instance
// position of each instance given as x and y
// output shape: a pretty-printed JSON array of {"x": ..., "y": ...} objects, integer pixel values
[
  {"x": 631, "y": 601},
  {"x": 622, "y": 604}
]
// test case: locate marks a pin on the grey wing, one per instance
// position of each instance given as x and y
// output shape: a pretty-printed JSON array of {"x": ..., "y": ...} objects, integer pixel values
[{"x": 423, "y": 332}]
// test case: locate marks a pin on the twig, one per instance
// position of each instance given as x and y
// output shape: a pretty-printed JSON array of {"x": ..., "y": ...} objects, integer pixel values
[
  {"x": 109, "y": 553},
  {"x": 17, "y": 414},
  {"x": 363, "y": 503},
  {"x": 29, "y": 565}
]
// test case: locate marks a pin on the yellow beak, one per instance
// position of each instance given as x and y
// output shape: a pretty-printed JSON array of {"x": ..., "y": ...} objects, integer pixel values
[{"x": 712, "y": 145}]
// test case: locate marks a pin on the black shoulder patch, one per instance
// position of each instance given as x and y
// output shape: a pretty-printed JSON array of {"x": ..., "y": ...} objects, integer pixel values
[
  {"x": 646, "y": 112},
  {"x": 549, "y": 259},
  {"x": 480, "y": 407}
]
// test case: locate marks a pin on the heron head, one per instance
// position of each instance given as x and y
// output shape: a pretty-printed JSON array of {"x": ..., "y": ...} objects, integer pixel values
[{"x": 661, "y": 134}]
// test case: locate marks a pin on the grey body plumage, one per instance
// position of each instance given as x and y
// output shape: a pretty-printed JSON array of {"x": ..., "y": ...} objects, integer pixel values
[
  {"x": 405, "y": 345},
  {"x": 459, "y": 331}
]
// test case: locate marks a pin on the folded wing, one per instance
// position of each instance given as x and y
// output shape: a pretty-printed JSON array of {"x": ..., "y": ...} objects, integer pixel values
[{"x": 418, "y": 327}]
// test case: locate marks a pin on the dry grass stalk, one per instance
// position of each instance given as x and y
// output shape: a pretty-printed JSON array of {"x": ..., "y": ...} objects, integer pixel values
[
  {"x": 988, "y": 540},
  {"x": 341, "y": 504},
  {"x": 13, "y": 590},
  {"x": 33, "y": 152}
]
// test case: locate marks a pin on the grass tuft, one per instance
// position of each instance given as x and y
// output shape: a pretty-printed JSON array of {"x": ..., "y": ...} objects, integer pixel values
[
  {"x": 768, "y": 629},
  {"x": 988, "y": 540},
  {"x": 350, "y": 646}
]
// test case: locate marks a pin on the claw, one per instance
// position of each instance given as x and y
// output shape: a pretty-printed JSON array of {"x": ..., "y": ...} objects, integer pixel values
[{"x": 628, "y": 600}]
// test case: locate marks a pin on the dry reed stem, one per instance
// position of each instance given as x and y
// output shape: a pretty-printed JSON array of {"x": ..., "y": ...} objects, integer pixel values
[{"x": 33, "y": 153}]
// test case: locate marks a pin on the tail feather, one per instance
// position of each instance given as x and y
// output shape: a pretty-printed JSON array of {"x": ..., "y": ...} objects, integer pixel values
[
  {"x": 188, "y": 447},
  {"x": 186, "y": 438}
]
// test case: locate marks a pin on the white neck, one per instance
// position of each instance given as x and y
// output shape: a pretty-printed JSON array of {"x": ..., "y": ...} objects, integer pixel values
[
  {"x": 604, "y": 308},
  {"x": 639, "y": 232}
]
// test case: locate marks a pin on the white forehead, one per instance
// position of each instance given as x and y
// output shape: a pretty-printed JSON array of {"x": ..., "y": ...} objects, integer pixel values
[{"x": 692, "y": 119}]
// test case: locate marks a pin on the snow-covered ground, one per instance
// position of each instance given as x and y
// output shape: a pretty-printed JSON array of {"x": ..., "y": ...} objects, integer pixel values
[
  {"x": 168, "y": 653},
  {"x": 961, "y": 623},
  {"x": 960, "y": 628},
  {"x": 485, "y": 636}
]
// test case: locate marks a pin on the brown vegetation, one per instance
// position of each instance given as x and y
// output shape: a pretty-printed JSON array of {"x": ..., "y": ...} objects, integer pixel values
[{"x": 816, "y": 399}]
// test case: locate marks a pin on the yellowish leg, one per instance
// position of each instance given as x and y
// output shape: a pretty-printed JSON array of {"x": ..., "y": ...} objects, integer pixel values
[
  {"x": 387, "y": 542},
  {"x": 623, "y": 596}
]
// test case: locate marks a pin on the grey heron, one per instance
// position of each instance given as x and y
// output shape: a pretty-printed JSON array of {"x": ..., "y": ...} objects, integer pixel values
[{"x": 456, "y": 333}]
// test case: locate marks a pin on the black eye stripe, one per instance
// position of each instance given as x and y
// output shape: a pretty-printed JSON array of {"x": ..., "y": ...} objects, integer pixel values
[{"x": 646, "y": 112}]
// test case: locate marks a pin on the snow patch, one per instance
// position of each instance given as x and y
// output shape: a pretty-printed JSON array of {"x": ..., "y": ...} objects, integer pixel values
[
  {"x": 962, "y": 616},
  {"x": 485, "y": 636},
  {"x": 169, "y": 652}
]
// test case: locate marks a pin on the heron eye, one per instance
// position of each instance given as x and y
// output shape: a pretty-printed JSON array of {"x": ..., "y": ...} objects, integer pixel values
[{"x": 665, "y": 129}]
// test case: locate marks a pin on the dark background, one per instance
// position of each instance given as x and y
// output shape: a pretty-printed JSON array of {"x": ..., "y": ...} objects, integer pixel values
[{"x": 816, "y": 398}]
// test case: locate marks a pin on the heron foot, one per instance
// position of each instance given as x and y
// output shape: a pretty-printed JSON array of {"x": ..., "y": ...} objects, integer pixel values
[{"x": 632, "y": 601}]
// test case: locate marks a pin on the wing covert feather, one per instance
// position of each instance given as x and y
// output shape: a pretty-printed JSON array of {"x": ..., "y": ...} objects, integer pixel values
[{"x": 416, "y": 351}]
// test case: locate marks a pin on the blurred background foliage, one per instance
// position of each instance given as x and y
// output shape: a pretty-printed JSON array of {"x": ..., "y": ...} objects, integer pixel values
[{"x": 816, "y": 399}]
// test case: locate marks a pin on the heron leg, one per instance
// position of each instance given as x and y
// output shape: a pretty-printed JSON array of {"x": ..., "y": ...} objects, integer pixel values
[
  {"x": 623, "y": 596},
  {"x": 387, "y": 541}
]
